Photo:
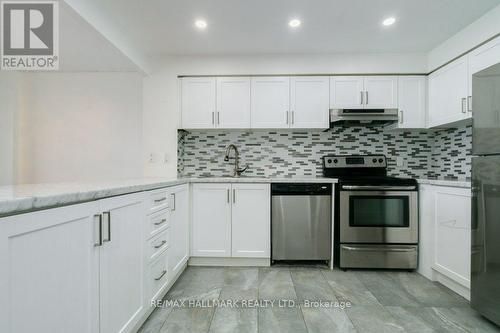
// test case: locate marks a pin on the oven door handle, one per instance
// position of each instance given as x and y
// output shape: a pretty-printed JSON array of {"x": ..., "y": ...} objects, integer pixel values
[
  {"x": 378, "y": 188},
  {"x": 379, "y": 249}
]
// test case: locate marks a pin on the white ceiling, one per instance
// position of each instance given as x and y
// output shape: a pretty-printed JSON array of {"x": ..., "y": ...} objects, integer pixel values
[{"x": 160, "y": 27}]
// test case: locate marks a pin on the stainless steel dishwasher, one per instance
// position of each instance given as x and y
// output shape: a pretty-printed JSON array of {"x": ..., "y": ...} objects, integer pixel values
[{"x": 301, "y": 221}]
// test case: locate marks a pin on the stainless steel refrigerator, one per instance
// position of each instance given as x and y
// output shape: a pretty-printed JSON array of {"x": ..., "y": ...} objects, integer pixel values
[{"x": 485, "y": 257}]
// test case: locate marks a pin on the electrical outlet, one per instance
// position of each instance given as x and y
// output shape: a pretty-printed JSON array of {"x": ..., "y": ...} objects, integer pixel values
[{"x": 152, "y": 158}]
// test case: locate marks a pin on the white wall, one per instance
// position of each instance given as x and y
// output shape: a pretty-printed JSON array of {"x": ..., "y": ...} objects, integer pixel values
[
  {"x": 477, "y": 32},
  {"x": 161, "y": 93},
  {"x": 80, "y": 127}
]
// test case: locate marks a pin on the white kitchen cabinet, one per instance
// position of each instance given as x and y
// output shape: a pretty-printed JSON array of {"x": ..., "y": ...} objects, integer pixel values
[
  {"x": 381, "y": 92},
  {"x": 211, "y": 219},
  {"x": 179, "y": 225},
  {"x": 270, "y": 102},
  {"x": 309, "y": 102},
  {"x": 346, "y": 92},
  {"x": 251, "y": 220},
  {"x": 49, "y": 271},
  {"x": 233, "y": 102},
  {"x": 412, "y": 92},
  {"x": 445, "y": 236},
  {"x": 198, "y": 102},
  {"x": 448, "y": 91},
  {"x": 364, "y": 92},
  {"x": 122, "y": 262}
]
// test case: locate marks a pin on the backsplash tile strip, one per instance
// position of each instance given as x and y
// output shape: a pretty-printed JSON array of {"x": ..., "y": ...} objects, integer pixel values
[{"x": 289, "y": 153}]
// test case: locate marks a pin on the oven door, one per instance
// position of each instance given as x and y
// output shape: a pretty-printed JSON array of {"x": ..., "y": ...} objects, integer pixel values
[{"x": 379, "y": 216}]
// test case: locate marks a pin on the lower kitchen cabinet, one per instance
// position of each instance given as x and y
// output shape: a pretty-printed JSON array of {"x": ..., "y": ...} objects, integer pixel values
[
  {"x": 251, "y": 220},
  {"x": 122, "y": 263},
  {"x": 179, "y": 225},
  {"x": 49, "y": 271},
  {"x": 231, "y": 220},
  {"x": 445, "y": 236}
]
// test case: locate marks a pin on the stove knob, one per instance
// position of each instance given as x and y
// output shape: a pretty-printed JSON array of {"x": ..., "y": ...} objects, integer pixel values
[
  {"x": 329, "y": 160},
  {"x": 335, "y": 161},
  {"x": 380, "y": 160},
  {"x": 374, "y": 160}
]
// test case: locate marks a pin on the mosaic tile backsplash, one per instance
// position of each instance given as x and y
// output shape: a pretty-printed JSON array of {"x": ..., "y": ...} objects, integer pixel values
[{"x": 286, "y": 153}]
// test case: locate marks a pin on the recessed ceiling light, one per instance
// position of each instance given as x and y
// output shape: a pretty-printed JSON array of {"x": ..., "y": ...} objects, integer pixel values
[
  {"x": 200, "y": 24},
  {"x": 389, "y": 21},
  {"x": 294, "y": 23}
]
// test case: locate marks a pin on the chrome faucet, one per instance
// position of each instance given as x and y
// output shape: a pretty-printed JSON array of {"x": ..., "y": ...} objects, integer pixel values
[{"x": 237, "y": 171}]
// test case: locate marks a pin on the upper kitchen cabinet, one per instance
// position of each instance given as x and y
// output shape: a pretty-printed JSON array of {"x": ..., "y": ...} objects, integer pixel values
[
  {"x": 364, "y": 92},
  {"x": 233, "y": 102},
  {"x": 448, "y": 94},
  {"x": 270, "y": 105},
  {"x": 309, "y": 100},
  {"x": 346, "y": 92},
  {"x": 412, "y": 101},
  {"x": 198, "y": 102},
  {"x": 381, "y": 92}
]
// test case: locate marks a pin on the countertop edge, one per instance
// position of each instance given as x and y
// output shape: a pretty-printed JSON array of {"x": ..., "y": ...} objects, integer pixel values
[{"x": 444, "y": 182}]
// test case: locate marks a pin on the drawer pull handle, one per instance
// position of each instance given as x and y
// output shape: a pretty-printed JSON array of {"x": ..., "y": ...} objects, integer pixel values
[
  {"x": 161, "y": 275},
  {"x": 160, "y": 245},
  {"x": 161, "y": 222},
  {"x": 160, "y": 200}
]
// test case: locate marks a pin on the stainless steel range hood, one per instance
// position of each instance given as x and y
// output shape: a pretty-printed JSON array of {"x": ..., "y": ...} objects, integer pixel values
[{"x": 363, "y": 115}]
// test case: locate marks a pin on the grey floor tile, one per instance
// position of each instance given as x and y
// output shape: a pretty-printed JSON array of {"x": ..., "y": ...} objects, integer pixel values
[
  {"x": 373, "y": 318},
  {"x": 155, "y": 321},
  {"x": 386, "y": 288},
  {"x": 189, "y": 320},
  {"x": 327, "y": 320},
  {"x": 285, "y": 320},
  {"x": 348, "y": 288},
  {"x": 418, "y": 319},
  {"x": 276, "y": 283},
  {"x": 428, "y": 293},
  {"x": 310, "y": 284},
  {"x": 202, "y": 283},
  {"x": 240, "y": 284},
  {"x": 463, "y": 319},
  {"x": 235, "y": 320}
]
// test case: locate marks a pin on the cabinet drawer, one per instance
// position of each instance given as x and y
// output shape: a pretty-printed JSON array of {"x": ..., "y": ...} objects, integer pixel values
[
  {"x": 158, "y": 275},
  {"x": 158, "y": 200},
  {"x": 158, "y": 222},
  {"x": 158, "y": 244}
]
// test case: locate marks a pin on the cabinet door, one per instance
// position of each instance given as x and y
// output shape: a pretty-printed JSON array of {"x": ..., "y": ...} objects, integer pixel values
[
  {"x": 270, "y": 106},
  {"x": 346, "y": 92},
  {"x": 381, "y": 92},
  {"x": 233, "y": 102},
  {"x": 211, "y": 236},
  {"x": 122, "y": 262},
  {"x": 448, "y": 90},
  {"x": 309, "y": 101},
  {"x": 251, "y": 220},
  {"x": 412, "y": 101},
  {"x": 198, "y": 102},
  {"x": 179, "y": 228},
  {"x": 453, "y": 233},
  {"x": 49, "y": 271}
]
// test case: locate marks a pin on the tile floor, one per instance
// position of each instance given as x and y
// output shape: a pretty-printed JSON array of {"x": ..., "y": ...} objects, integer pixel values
[{"x": 381, "y": 302}]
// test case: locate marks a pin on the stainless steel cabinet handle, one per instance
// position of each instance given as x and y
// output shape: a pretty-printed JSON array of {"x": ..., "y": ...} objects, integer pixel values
[
  {"x": 160, "y": 200},
  {"x": 361, "y": 99},
  {"x": 234, "y": 195},
  {"x": 228, "y": 194},
  {"x": 469, "y": 103},
  {"x": 218, "y": 118},
  {"x": 293, "y": 116},
  {"x": 213, "y": 118},
  {"x": 98, "y": 217},
  {"x": 163, "y": 242},
  {"x": 401, "y": 116},
  {"x": 464, "y": 107},
  {"x": 366, "y": 102},
  {"x": 161, "y": 275},
  {"x": 161, "y": 222},
  {"x": 378, "y": 249},
  {"x": 173, "y": 202},
  {"x": 286, "y": 116},
  {"x": 377, "y": 188},
  {"x": 107, "y": 215}
]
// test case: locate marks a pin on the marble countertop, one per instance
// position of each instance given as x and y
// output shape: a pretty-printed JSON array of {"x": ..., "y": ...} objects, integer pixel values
[
  {"x": 445, "y": 182},
  {"x": 30, "y": 197}
]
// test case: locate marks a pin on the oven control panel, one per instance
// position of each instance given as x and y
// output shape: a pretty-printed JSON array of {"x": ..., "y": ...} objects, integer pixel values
[{"x": 354, "y": 161}]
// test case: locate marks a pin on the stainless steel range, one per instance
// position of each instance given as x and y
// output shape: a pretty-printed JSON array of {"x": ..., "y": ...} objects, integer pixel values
[{"x": 376, "y": 215}]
